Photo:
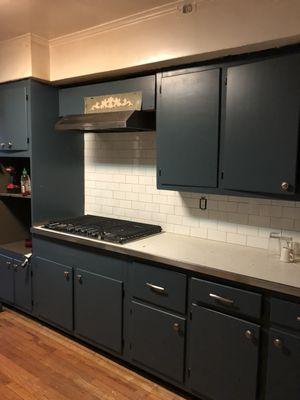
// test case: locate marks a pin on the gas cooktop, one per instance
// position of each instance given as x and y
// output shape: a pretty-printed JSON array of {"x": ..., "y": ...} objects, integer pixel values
[{"x": 101, "y": 228}]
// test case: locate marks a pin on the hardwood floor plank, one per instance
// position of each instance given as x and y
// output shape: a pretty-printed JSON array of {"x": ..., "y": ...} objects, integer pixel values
[{"x": 37, "y": 363}]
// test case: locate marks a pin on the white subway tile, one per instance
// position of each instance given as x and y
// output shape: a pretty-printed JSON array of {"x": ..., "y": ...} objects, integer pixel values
[
  {"x": 236, "y": 238},
  {"x": 199, "y": 232},
  {"x": 259, "y": 242},
  {"x": 216, "y": 235},
  {"x": 120, "y": 181}
]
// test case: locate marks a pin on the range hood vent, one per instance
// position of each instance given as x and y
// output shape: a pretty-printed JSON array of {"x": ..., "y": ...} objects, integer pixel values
[{"x": 117, "y": 121}]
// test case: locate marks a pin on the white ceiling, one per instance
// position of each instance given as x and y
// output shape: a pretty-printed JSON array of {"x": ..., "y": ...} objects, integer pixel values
[{"x": 54, "y": 18}]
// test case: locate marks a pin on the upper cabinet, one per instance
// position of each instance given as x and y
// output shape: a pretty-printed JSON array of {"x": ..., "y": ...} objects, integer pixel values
[
  {"x": 13, "y": 116},
  {"x": 262, "y": 126},
  {"x": 71, "y": 100},
  {"x": 188, "y": 128},
  {"x": 232, "y": 128}
]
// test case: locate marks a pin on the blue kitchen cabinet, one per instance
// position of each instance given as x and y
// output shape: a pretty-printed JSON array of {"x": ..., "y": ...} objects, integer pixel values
[
  {"x": 283, "y": 366},
  {"x": 6, "y": 279},
  {"x": 14, "y": 116},
  {"x": 157, "y": 341},
  {"x": 53, "y": 292},
  {"x": 71, "y": 100},
  {"x": 15, "y": 282},
  {"x": 188, "y": 128},
  {"x": 99, "y": 309},
  {"x": 261, "y": 127},
  {"x": 223, "y": 356}
]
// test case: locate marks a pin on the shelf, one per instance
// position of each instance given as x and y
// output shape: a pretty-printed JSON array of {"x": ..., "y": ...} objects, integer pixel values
[
  {"x": 15, "y": 195},
  {"x": 16, "y": 247}
]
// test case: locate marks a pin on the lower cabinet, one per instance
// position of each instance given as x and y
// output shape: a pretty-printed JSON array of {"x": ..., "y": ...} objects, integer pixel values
[
  {"x": 6, "y": 279},
  {"x": 157, "y": 340},
  {"x": 283, "y": 369},
  {"x": 99, "y": 309},
  {"x": 22, "y": 286},
  {"x": 15, "y": 283},
  {"x": 53, "y": 291},
  {"x": 223, "y": 356}
]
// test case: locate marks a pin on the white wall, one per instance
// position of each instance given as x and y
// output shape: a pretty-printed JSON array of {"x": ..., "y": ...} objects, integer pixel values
[
  {"x": 120, "y": 178},
  {"x": 158, "y": 37},
  {"x": 163, "y": 35}
]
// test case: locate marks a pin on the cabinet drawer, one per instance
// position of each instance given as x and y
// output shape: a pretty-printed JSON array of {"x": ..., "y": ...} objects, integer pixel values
[
  {"x": 285, "y": 313},
  {"x": 158, "y": 286},
  {"x": 226, "y": 298}
]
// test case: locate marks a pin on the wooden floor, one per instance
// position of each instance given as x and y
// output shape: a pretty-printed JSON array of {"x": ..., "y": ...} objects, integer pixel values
[{"x": 38, "y": 363}]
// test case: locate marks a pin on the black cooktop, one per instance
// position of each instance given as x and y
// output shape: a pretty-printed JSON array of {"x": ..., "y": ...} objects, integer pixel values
[{"x": 101, "y": 228}]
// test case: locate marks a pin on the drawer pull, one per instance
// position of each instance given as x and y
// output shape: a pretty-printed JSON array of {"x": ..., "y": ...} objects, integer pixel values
[
  {"x": 221, "y": 299},
  {"x": 176, "y": 327},
  {"x": 79, "y": 278},
  {"x": 67, "y": 275},
  {"x": 298, "y": 319},
  {"x": 157, "y": 289},
  {"x": 277, "y": 343}
]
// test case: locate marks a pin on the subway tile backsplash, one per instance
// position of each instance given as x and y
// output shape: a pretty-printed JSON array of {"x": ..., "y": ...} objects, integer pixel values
[{"x": 120, "y": 182}]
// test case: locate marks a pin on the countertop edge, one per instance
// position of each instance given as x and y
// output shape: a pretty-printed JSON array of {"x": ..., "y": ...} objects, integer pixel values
[{"x": 183, "y": 265}]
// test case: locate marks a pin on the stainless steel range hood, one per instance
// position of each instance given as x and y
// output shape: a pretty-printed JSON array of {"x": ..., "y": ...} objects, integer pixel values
[{"x": 117, "y": 121}]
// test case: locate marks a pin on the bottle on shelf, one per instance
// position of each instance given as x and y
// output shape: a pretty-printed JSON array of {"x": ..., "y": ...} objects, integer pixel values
[{"x": 25, "y": 183}]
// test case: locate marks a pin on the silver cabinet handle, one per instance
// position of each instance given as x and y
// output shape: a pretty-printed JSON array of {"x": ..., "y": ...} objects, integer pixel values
[
  {"x": 176, "y": 327},
  {"x": 79, "y": 278},
  {"x": 277, "y": 343},
  {"x": 221, "y": 299},
  {"x": 2, "y": 145},
  {"x": 298, "y": 319},
  {"x": 285, "y": 186},
  {"x": 10, "y": 145},
  {"x": 158, "y": 289}
]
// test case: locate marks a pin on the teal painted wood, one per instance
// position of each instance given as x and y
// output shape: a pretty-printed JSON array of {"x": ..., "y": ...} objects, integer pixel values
[
  {"x": 188, "y": 129},
  {"x": 57, "y": 164},
  {"x": 22, "y": 287},
  {"x": 156, "y": 342},
  {"x": 283, "y": 369},
  {"x": 236, "y": 301},
  {"x": 53, "y": 292},
  {"x": 158, "y": 286},
  {"x": 71, "y": 100},
  {"x": 6, "y": 279},
  {"x": 13, "y": 116},
  {"x": 99, "y": 309},
  {"x": 223, "y": 362},
  {"x": 262, "y": 125},
  {"x": 285, "y": 313}
]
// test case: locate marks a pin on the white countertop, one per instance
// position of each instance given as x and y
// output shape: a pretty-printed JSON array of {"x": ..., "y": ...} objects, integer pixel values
[{"x": 246, "y": 265}]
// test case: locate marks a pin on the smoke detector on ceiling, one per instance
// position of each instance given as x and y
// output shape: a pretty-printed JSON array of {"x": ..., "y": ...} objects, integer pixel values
[{"x": 187, "y": 7}]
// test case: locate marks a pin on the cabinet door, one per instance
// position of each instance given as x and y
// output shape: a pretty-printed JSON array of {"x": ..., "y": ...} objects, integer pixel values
[
  {"x": 188, "y": 129},
  {"x": 53, "y": 288},
  {"x": 98, "y": 309},
  {"x": 223, "y": 356},
  {"x": 262, "y": 126},
  {"x": 13, "y": 117},
  {"x": 6, "y": 279},
  {"x": 283, "y": 370},
  {"x": 23, "y": 296},
  {"x": 157, "y": 341}
]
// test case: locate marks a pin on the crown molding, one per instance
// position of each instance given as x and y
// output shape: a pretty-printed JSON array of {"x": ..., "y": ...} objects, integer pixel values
[
  {"x": 39, "y": 39},
  {"x": 152, "y": 13}
]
